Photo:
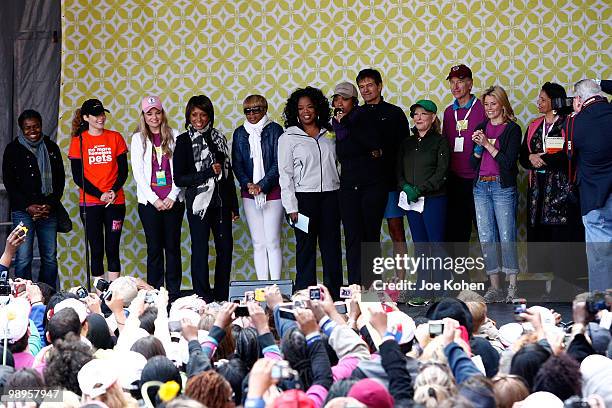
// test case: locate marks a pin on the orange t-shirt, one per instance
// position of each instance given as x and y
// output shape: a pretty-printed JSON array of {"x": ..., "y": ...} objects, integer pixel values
[{"x": 100, "y": 164}]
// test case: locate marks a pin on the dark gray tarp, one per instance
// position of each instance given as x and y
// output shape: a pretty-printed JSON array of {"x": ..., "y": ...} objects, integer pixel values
[
  {"x": 30, "y": 61},
  {"x": 30, "y": 46}
]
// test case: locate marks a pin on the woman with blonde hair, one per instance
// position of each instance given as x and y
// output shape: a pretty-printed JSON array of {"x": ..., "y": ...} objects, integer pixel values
[
  {"x": 496, "y": 151},
  {"x": 160, "y": 202},
  {"x": 422, "y": 167},
  {"x": 434, "y": 384},
  {"x": 255, "y": 164},
  {"x": 509, "y": 389}
]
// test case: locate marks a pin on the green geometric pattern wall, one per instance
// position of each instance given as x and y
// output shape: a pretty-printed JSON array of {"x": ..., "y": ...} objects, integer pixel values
[{"x": 119, "y": 51}]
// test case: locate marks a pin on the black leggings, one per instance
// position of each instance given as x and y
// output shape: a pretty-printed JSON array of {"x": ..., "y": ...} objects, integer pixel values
[{"x": 104, "y": 225}]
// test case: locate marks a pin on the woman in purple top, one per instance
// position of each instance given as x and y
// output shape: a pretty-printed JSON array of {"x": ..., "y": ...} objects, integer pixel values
[
  {"x": 496, "y": 150},
  {"x": 160, "y": 202}
]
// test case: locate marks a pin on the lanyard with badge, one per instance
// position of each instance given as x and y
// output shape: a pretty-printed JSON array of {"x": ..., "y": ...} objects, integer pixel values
[
  {"x": 160, "y": 175},
  {"x": 551, "y": 145},
  {"x": 461, "y": 125}
]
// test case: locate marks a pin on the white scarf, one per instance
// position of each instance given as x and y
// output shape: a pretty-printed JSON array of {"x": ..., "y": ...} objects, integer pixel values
[{"x": 254, "y": 131}]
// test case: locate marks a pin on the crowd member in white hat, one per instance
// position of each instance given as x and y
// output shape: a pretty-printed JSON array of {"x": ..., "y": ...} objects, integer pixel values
[
  {"x": 99, "y": 380},
  {"x": 15, "y": 331}
]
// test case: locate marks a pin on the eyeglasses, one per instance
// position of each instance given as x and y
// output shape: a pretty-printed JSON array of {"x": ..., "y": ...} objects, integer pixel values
[{"x": 254, "y": 109}]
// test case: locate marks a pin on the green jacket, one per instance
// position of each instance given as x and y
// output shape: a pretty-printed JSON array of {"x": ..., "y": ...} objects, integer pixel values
[{"x": 423, "y": 162}]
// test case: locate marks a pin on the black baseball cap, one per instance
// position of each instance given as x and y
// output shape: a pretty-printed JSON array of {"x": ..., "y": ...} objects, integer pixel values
[{"x": 93, "y": 107}]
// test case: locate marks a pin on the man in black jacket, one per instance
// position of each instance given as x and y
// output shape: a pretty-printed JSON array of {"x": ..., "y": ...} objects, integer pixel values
[
  {"x": 33, "y": 174},
  {"x": 590, "y": 133},
  {"x": 387, "y": 123}
]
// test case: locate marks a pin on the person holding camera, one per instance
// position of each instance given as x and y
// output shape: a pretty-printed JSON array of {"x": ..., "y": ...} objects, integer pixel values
[
  {"x": 590, "y": 138},
  {"x": 309, "y": 186},
  {"x": 255, "y": 164},
  {"x": 362, "y": 194},
  {"x": 33, "y": 174},
  {"x": 98, "y": 159},
  {"x": 551, "y": 205},
  {"x": 202, "y": 165},
  {"x": 13, "y": 241}
]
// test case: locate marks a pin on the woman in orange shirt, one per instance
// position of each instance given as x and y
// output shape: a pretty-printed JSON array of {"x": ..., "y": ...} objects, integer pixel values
[{"x": 99, "y": 167}]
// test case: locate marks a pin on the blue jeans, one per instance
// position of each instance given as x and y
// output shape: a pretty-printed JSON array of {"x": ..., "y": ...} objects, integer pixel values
[
  {"x": 427, "y": 230},
  {"x": 496, "y": 219},
  {"x": 598, "y": 236},
  {"x": 46, "y": 231}
]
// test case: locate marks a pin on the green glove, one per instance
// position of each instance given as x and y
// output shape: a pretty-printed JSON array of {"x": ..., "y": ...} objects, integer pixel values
[
  {"x": 407, "y": 188},
  {"x": 412, "y": 192}
]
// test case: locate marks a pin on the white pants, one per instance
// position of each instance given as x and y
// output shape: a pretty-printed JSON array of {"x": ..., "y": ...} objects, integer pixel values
[{"x": 265, "y": 227}]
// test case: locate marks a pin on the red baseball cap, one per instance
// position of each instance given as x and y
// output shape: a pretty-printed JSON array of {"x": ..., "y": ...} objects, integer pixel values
[
  {"x": 371, "y": 393},
  {"x": 460, "y": 71},
  {"x": 293, "y": 399}
]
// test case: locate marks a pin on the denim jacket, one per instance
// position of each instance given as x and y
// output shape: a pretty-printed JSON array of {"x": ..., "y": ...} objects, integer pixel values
[{"x": 242, "y": 162}]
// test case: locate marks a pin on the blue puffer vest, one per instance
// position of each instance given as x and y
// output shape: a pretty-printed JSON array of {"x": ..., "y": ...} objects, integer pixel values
[{"x": 242, "y": 163}]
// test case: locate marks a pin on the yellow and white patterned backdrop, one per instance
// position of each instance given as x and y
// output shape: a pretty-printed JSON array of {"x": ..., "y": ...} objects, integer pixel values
[{"x": 120, "y": 50}]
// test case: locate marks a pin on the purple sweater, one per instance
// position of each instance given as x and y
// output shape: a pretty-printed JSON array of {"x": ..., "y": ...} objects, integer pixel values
[
  {"x": 460, "y": 161},
  {"x": 488, "y": 165}
]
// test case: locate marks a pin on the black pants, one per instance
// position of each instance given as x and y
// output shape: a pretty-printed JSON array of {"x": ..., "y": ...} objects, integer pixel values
[
  {"x": 163, "y": 234},
  {"x": 567, "y": 260},
  {"x": 461, "y": 213},
  {"x": 220, "y": 222},
  {"x": 362, "y": 210},
  {"x": 324, "y": 227},
  {"x": 104, "y": 225}
]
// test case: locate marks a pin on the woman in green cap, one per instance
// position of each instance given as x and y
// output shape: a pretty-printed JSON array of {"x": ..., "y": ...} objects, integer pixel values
[{"x": 422, "y": 166}]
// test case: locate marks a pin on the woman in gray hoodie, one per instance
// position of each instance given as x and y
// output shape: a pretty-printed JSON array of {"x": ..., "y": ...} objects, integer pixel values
[{"x": 309, "y": 186}]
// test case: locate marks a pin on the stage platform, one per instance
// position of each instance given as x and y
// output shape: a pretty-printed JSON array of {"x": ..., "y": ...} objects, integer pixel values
[{"x": 501, "y": 313}]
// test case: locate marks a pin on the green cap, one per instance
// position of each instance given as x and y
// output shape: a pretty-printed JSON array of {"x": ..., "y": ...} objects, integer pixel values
[{"x": 426, "y": 104}]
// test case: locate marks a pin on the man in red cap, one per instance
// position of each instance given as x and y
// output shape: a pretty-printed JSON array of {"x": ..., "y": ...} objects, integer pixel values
[{"x": 460, "y": 120}]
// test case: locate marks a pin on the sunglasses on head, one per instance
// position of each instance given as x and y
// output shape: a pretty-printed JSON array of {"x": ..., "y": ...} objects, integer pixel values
[{"x": 254, "y": 109}]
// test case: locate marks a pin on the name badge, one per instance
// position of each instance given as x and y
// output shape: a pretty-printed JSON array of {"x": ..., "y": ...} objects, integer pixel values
[
  {"x": 160, "y": 177},
  {"x": 458, "y": 145},
  {"x": 462, "y": 125},
  {"x": 554, "y": 144}
]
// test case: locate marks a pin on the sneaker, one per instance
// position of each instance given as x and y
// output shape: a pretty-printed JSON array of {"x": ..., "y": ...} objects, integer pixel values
[
  {"x": 418, "y": 301},
  {"x": 512, "y": 294},
  {"x": 494, "y": 295},
  {"x": 403, "y": 297}
]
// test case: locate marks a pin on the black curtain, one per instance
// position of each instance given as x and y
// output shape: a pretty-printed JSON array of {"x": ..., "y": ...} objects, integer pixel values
[{"x": 30, "y": 50}]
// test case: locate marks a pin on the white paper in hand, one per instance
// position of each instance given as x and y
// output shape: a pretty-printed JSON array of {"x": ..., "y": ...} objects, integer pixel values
[
  {"x": 302, "y": 222},
  {"x": 405, "y": 205}
]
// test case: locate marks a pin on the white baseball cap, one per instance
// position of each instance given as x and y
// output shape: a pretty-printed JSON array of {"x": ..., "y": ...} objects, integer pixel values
[
  {"x": 97, "y": 376},
  {"x": 79, "y": 307},
  {"x": 14, "y": 319}
]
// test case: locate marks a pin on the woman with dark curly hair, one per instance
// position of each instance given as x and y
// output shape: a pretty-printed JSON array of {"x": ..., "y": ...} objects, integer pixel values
[
  {"x": 559, "y": 375},
  {"x": 211, "y": 389},
  {"x": 64, "y": 363},
  {"x": 309, "y": 186}
]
